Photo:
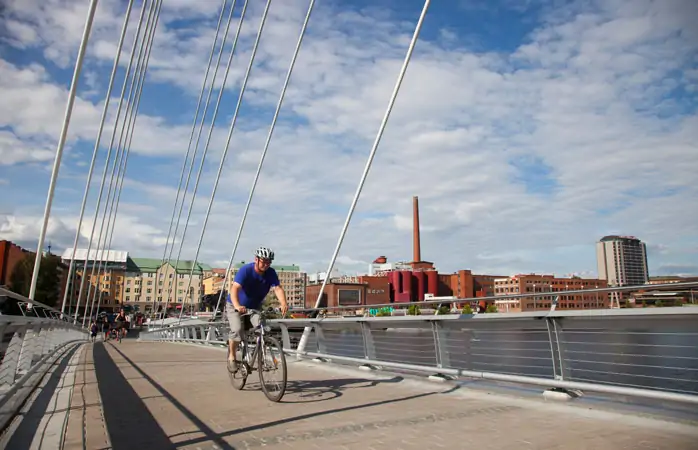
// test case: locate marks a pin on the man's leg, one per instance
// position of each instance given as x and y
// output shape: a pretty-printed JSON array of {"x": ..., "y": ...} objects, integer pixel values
[{"x": 234, "y": 334}]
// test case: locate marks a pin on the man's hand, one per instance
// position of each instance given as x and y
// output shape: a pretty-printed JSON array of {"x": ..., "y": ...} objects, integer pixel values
[
  {"x": 241, "y": 309},
  {"x": 284, "y": 308}
]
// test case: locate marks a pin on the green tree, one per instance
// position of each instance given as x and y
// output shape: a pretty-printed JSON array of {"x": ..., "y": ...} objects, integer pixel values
[
  {"x": 47, "y": 286},
  {"x": 491, "y": 309},
  {"x": 467, "y": 309},
  {"x": 413, "y": 310}
]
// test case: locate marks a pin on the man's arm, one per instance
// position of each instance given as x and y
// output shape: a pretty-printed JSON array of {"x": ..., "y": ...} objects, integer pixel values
[
  {"x": 281, "y": 296},
  {"x": 234, "y": 296}
]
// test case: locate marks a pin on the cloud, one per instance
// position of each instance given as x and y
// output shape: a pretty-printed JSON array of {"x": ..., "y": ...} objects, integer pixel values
[{"x": 521, "y": 158}]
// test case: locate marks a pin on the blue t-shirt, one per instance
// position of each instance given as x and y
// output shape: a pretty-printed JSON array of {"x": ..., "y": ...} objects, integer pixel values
[{"x": 255, "y": 286}]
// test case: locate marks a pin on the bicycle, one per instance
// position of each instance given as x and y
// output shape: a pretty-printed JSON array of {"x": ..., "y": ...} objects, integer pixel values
[{"x": 246, "y": 359}]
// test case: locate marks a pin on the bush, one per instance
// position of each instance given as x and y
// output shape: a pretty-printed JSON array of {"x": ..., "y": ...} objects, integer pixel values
[
  {"x": 491, "y": 309},
  {"x": 413, "y": 310},
  {"x": 383, "y": 312},
  {"x": 467, "y": 310},
  {"x": 444, "y": 310}
]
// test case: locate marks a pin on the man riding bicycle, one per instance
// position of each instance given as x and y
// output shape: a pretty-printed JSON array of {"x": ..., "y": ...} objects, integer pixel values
[{"x": 251, "y": 285}]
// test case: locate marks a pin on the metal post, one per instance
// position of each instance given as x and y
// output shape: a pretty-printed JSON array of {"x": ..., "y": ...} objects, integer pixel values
[
  {"x": 61, "y": 143},
  {"x": 372, "y": 154}
]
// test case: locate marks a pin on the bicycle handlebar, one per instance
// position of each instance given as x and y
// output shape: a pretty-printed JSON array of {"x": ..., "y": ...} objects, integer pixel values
[{"x": 249, "y": 311}]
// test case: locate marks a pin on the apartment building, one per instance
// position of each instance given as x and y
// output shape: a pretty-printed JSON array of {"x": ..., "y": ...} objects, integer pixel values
[
  {"x": 105, "y": 272},
  {"x": 149, "y": 283},
  {"x": 548, "y": 284},
  {"x": 213, "y": 281}
]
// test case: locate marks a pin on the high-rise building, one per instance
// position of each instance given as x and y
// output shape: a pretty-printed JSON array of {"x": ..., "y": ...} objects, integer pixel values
[{"x": 622, "y": 260}]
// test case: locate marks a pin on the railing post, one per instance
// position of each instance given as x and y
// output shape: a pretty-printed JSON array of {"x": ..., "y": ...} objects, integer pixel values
[
  {"x": 285, "y": 337},
  {"x": 550, "y": 323},
  {"x": 320, "y": 338},
  {"x": 441, "y": 352},
  {"x": 10, "y": 363},
  {"x": 28, "y": 349},
  {"x": 369, "y": 345},
  {"x": 557, "y": 329}
]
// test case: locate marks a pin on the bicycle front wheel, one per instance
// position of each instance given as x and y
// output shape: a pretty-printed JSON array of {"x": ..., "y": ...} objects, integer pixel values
[
  {"x": 239, "y": 377},
  {"x": 272, "y": 365}
]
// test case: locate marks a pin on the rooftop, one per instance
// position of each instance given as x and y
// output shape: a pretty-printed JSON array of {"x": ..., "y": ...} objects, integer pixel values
[
  {"x": 151, "y": 265},
  {"x": 118, "y": 256}
]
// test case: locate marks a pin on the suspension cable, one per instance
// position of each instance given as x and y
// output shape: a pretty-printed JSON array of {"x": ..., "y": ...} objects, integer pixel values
[
  {"x": 210, "y": 133},
  {"x": 193, "y": 128},
  {"x": 131, "y": 129},
  {"x": 196, "y": 147},
  {"x": 119, "y": 46},
  {"x": 106, "y": 163},
  {"x": 99, "y": 261},
  {"x": 264, "y": 152},
  {"x": 403, "y": 70},
  {"x": 138, "y": 74},
  {"x": 61, "y": 143}
]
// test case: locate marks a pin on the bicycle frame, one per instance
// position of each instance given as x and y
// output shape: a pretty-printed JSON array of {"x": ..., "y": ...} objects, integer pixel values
[{"x": 259, "y": 331}]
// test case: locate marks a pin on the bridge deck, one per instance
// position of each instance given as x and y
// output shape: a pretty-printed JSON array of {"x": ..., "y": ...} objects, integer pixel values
[{"x": 163, "y": 396}]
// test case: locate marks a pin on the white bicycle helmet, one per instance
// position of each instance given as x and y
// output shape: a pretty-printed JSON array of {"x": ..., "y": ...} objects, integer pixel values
[{"x": 264, "y": 253}]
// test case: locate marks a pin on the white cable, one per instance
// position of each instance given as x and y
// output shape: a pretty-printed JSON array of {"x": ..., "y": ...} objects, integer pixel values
[
  {"x": 264, "y": 152},
  {"x": 196, "y": 148},
  {"x": 191, "y": 135},
  {"x": 117, "y": 161},
  {"x": 227, "y": 144},
  {"x": 61, "y": 143},
  {"x": 210, "y": 130},
  {"x": 120, "y": 45},
  {"x": 415, "y": 36},
  {"x": 106, "y": 165},
  {"x": 129, "y": 133}
]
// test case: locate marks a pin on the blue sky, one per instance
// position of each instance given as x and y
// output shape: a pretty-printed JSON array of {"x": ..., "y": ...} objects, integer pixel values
[{"x": 529, "y": 129}]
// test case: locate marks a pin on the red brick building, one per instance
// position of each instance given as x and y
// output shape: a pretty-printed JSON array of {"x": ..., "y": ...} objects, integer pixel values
[
  {"x": 549, "y": 284},
  {"x": 10, "y": 255}
]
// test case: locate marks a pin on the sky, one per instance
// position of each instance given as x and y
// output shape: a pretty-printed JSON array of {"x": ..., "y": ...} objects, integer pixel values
[{"x": 528, "y": 130}]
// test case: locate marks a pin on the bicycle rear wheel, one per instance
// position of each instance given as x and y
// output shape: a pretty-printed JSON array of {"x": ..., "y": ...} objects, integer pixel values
[
  {"x": 239, "y": 377},
  {"x": 271, "y": 358}
]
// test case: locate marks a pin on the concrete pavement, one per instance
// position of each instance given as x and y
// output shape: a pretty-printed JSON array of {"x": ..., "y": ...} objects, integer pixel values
[{"x": 137, "y": 395}]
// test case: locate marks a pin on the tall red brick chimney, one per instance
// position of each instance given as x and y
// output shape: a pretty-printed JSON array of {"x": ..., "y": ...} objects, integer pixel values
[{"x": 416, "y": 248}]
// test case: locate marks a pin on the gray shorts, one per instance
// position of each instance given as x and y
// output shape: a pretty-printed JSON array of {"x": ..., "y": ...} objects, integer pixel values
[{"x": 235, "y": 322}]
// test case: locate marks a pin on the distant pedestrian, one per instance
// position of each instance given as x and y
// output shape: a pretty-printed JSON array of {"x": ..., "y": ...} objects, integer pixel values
[{"x": 93, "y": 330}]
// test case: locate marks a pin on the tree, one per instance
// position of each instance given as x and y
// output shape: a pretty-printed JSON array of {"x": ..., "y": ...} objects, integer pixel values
[{"x": 47, "y": 286}]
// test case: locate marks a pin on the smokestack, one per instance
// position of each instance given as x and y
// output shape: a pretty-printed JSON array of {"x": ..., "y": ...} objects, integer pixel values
[{"x": 415, "y": 233}]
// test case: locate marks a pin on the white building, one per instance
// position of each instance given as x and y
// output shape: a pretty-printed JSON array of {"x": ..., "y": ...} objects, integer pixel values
[{"x": 622, "y": 260}]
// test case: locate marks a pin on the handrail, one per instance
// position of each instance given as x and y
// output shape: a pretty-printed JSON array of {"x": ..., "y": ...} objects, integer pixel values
[
  {"x": 36, "y": 304},
  {"x": 26, "y": 356},
  {"x": 643, "y": 353}
]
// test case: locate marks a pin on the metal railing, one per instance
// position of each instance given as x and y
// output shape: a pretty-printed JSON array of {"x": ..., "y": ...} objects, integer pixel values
[
  {"x": 649, "y": 353},
  {"x": 30, "y": 344}
]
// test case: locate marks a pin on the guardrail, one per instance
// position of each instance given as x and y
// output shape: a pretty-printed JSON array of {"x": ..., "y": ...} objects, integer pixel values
[
  {"x": 650, "y": 353},
  {"x": 28, "y": 347}
]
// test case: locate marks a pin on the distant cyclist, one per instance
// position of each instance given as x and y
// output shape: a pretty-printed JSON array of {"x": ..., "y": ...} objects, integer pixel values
[
  {"x": 251, "y": 285},
  {"x": 121, "y": 323}
]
